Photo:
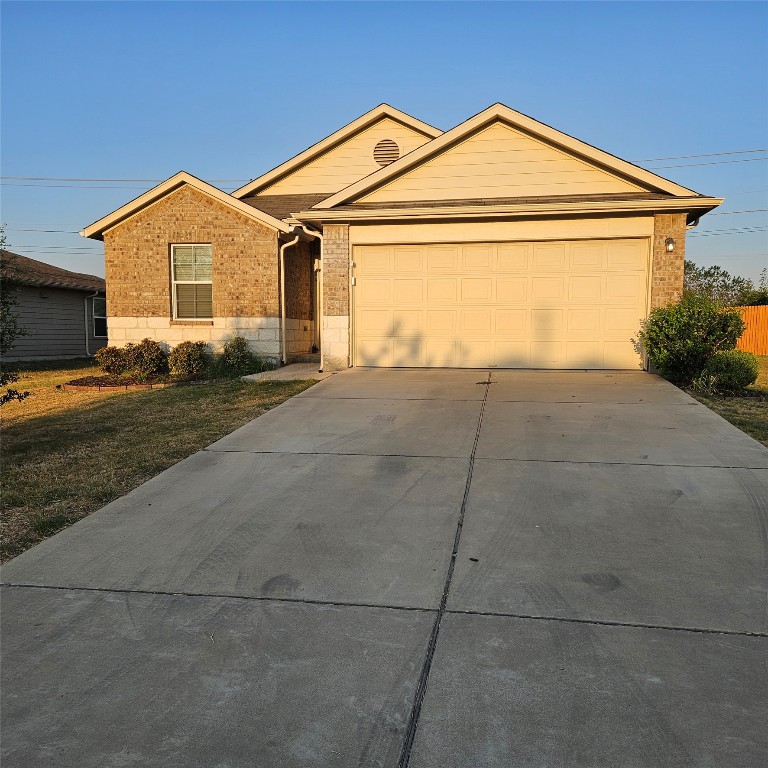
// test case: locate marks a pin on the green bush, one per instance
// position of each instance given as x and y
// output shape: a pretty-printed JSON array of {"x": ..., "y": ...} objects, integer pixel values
[
  {"x": 236, "y": 359},
  {"x": 146, "y": 359},
  {"x": 732, "y": 371},
  {"x": 112, "y": 360},
  {"x": 189, "y": 359},
  {"x": 680, "y": 339}
]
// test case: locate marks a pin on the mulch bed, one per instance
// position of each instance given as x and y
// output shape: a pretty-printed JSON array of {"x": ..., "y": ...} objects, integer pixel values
[{"x": 98, "y": 383}]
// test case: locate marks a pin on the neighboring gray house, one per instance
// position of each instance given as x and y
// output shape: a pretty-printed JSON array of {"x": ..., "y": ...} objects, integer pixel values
[{"x": 64, "y": 312}]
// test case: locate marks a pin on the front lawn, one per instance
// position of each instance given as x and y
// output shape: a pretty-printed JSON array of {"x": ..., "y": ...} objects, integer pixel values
[
  {"x": 749, "y": 413},
  {"x": 66, "y": 454}
]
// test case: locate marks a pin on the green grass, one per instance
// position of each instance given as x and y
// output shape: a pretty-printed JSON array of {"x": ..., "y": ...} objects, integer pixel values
[
  {"x": 66, "y": 454},
  {"x": 748, "y": 413}
]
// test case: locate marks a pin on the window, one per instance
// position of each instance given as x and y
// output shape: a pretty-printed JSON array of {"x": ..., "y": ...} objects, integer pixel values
[
  {"x": 192, "y": 287},
  {"x": 100, "y": 318}
]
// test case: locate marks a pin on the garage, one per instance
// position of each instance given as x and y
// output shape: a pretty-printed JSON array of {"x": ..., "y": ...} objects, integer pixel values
[{"x": 537, "y": 304}]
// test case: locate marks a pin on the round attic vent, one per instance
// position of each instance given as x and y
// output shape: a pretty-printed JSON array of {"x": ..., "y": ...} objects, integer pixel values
[{"x": 386, "y": 152}]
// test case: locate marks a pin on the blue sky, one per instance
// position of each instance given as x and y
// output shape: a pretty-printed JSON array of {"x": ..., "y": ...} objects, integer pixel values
[{"x": 228, "y": 90}]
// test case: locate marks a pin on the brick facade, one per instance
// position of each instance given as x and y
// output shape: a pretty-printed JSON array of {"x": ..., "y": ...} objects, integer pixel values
[
  {"x": 299, "y": 296},
  {"x": 246, "y": 286},
  {"x": 137, "y": 258},
  {"x": 667, "y": 268},
  {"x": 335, "y": 331}
]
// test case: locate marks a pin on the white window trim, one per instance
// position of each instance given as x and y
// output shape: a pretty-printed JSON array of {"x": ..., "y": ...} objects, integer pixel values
[
  {"x": 175, "y": 282},
  {"x": 95, "y": 317}
]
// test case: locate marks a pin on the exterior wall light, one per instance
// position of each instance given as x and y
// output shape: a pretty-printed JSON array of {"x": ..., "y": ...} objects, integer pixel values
[{"x": 669, "y": 244}]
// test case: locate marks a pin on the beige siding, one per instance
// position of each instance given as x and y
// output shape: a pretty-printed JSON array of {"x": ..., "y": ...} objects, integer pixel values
[
  {"x": 499, "y": 161},
  {"x": 347, "y": 162},
  {"x": 554, "y": 304}
]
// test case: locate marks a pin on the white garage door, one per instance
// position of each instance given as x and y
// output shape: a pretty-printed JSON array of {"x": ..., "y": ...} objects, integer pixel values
[{"x": 571, "y": 304}]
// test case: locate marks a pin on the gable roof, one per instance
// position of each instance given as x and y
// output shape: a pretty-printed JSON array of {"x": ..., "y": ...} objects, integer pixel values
[
  {"x": 499, "y": 113},
  {"x": 282, "y": 206},
  {"x": 26, "y": 271},
  {"x": 97, "y": 229},
  {"x": 343, "y": 134}
]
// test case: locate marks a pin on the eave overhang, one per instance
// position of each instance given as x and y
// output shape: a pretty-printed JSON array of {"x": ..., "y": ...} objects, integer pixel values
[
  {"x": 695, "y": 207},
  {"x": 96, "y": 230}
]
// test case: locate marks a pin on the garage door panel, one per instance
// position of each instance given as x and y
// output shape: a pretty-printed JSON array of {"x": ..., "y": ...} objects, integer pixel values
[
  {"x": 590, "y": 288},
  {"x": 549, "y": 256},
  {"x": 408, "y": 291},
  {"x": 442, "y": 322},
  {"x": 583, "y": 354},
  {"x": 408, "y": 353},
  {"x": 475, "y": 354},
  {"x": 444, "y": 259},
  {"x": 540, "y": 304},
  {"x": 374, "y": 351},
  {"x": 513, "y": 257},
  {"x": 476, "y": 289},
  {"x": 624, "y": 255},
  {"x": 477, "y": 258},
  {"x": 408, "y": 260},
  {"x": 375, "y": 322},
  {"x": 376, "y": 291},
  {"x": 511, "y": 290},
  {"x": 440, "y": 291},
  {"x": 441, "y": 353},
  {"x": 511, "y": 354}
]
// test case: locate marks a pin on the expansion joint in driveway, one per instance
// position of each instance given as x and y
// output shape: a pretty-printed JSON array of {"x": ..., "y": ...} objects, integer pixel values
[{"x": 421, "y": 685}]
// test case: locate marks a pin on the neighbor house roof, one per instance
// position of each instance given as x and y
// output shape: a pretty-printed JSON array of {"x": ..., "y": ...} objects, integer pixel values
[
  {"x": 495, "y": 113},
  {"x": 97, "y": 229},
  {"x": 28, "y": 271},
  {"x": 378, "y": 113}
]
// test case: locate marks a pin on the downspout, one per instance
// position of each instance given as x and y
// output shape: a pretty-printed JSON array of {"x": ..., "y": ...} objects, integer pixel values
[
  {"x": 313, "y": 233},
  {"x": 85, "y": 307},
  {"x": 282, "y": 296}
]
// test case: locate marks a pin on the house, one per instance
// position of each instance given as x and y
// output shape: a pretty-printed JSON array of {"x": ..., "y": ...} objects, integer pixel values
[
  {"x": 63, "y": 312},
  {"x": 499, "y": 243}
]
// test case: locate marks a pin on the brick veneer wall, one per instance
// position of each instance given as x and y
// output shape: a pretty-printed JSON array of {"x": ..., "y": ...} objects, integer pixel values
[
  {"x": 137, "y": 258},
  {"x": 246, "y": 286},
  {"x": 667, "y": 268},
  {"x": 299, "y": 275},
  {"x": 335, "y": 331}
]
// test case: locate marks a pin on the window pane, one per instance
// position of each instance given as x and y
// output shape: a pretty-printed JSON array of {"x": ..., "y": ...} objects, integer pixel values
[
  {"x": 204, "y": 300},
  {"x": 183, "y": 262},
  {"x": 194, "y": 301},
  {"x": 203, "y": 262},
  {"x": 99, "y": 307},
  {"x": 99, "y": 326}
]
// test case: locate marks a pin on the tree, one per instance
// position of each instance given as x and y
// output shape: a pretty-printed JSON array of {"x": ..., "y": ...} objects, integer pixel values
[
  {"x": 717, "y": 285},
  {"x": 10, "y": 329}
]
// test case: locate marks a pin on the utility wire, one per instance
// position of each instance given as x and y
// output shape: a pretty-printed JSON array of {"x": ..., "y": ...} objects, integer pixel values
[
  {"x": 711, "y": 154},
  {"x": 731, "y": 213},
  {"x": 714, "y": 162}
]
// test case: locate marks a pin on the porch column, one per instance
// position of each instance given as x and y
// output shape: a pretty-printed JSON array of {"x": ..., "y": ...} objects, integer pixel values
[{"x": 335, "y": 322}]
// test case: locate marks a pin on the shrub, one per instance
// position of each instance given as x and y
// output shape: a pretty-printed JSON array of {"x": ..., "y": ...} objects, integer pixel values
[
  {"x": 236, "y": 359},
  {"x": 112, "y": 360},
  {"x": 732, "y": 371},
  {"x": 189, "y": 359},
  {"x": 146, "y": 359},
  {"x": 680, "y": 339}
]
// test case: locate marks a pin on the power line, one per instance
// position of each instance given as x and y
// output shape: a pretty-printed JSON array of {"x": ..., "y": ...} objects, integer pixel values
[
  {"x": 714, "y": 162},
  {"x": 154, "y": 181},
  {"x": 63, "y": 231},
  {"x": 711, "y": 154},
  {"x": 731, "y": 213}
]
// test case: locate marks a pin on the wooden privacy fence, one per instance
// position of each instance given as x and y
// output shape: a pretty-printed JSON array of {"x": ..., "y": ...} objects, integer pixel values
[{"x": 755, "y": 338}]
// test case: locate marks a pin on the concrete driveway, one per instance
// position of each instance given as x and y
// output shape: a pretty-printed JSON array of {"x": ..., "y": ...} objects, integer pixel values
[{"x": 423, "y": 568}]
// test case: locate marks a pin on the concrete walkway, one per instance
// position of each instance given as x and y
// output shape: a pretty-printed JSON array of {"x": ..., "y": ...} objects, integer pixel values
[{"x": 421, "y": 568}]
